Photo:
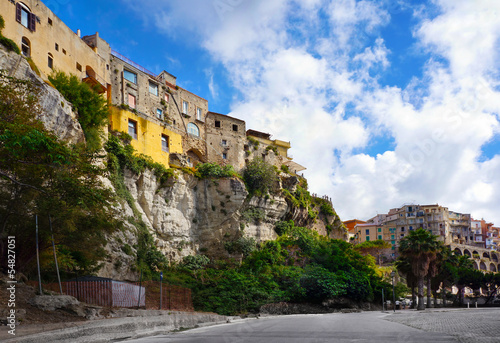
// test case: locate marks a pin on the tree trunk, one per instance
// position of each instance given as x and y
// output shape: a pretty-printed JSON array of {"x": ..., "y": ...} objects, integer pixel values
[
  {"x": 435, "y": 296},
  {"x": 428, "y": 292},
  {"x": 421, "y": 305},
  {"x": 443, "y": 295},
  {"x": 413, "y": 296}
]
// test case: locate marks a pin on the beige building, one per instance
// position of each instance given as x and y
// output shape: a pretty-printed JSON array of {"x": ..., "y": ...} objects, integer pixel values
[
  {"x": 44, "y": 38},
  {"x": 226, "y": 139},
  {"x": 274, "y": 152},
  {"x": 449, "y": 226}
]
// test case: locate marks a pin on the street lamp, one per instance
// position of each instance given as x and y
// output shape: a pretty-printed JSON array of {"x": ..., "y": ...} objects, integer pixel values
[{"x": 393, "y": 294}]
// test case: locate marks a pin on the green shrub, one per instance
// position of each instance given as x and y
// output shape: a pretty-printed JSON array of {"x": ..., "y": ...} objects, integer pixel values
[
  {"x": 260, "y": 177},
  {"x": 243, "y": 245},
  {"x": 253, "y": 214},
  {"x": 195, "y": 262},
  {"x": 91, "y": 107},
  {"x": 208, "y": 170},
  {"x": 10, "y": 44}
]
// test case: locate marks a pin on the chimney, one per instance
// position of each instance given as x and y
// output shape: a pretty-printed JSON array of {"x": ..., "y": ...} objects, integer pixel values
[{"x": 79, "y": 33}]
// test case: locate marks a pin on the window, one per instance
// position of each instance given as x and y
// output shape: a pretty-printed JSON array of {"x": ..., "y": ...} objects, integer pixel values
[
  {"x": 78, "y": 66},
  {"x": 50, "y": 21},
  {"x": 131, "y": 101},
  {"x": 367, "y": 232},
  {"x": 64, "y": 51},
  {"x": 153, "y": 88},
  {"x": 164, "y": 143},
  {"x": 198, "y": 114},
  {"x": 132, "y": 128},
  {"x": 159, "y": 113},
  {"x": 57, "y": 47},
  {"x": 26, "y": 47},
  {"x": 50, "y": 61},
  {"x": 367, "y": 238},
  {"x": 411, "y": 228},
  {"x": 185, "y": 107},
  {"x": 393, "y": 242},
  {"x": 217, "y": 123},
  {"x": 224, "y": 156},
  {"x": 25, "y": 17},
  {"x": 235, "y": 128},
  {"x": 392, "y": 236},
  {"x": 379, "y": 229},
  {"x": 129, "y": 76},
  {"x": 402, "y": 229},
  {"x": 379, "y": 236},
  {"x": 224, "y": 142},
  {"x": 166, "y": 97},
  {"x": 193, "y": 129}
]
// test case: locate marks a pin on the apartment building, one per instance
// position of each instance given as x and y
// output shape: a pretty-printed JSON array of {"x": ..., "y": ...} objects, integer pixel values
[
  {"x": 52, "y": 45},
  {"x": 449, "y": 226},
  {"x": 165, "y": 121}
]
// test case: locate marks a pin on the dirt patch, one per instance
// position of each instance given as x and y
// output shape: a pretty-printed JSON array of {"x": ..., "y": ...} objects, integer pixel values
[{"x": 29, "y": 316}]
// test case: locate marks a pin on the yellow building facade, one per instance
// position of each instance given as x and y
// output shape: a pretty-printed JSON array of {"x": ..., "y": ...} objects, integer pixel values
[{"x": 148, "y": 137}]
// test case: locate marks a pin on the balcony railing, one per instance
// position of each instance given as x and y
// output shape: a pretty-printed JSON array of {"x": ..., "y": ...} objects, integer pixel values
[{"x": 132, "y": 63}]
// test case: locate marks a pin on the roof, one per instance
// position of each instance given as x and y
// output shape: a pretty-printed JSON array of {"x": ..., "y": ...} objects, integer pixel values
[
  {"x": 294, "y": 166},
  {"x": 259, "y": 134},
  {"x": 225, "y": 115}
]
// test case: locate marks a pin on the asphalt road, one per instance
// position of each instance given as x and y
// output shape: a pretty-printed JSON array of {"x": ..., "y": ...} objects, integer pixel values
[{"x": 335, "y": 327}]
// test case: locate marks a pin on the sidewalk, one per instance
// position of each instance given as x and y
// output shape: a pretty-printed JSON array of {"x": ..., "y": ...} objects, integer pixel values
[{"x": 106, "y": 330}]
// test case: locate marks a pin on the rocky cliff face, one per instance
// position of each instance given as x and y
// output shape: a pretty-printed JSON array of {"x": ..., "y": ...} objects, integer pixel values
[
  {"x": 191, "y": 216},
  {"x": 58, "y": 113}
]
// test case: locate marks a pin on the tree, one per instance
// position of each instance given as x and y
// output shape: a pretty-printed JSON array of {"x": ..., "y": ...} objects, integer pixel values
[
  {"x": 91, "y": 107},
  {"x": 434, "y": 267},
  {"x": 404, "y": 267},
  {"x": 41, "y": 175},
  {"x": 419, "y": 248}
]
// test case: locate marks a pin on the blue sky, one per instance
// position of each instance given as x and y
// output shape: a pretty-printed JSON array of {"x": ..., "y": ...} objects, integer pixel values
[{"x": 385, "y": 102}]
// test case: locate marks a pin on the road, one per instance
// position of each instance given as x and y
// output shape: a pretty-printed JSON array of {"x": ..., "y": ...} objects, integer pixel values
[{"x": 336, "y": 327}]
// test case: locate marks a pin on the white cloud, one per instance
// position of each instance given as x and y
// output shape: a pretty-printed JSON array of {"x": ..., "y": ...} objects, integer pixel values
[{"x": 315, "y": 80}]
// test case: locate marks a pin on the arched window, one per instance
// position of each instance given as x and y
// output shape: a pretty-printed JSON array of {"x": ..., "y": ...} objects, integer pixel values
[
  {"x": 193, "y": 129},
  {"x": 50, "y": 61},
  {"x": 25, "y": 17},
  {"x": 26, "y": 47}
]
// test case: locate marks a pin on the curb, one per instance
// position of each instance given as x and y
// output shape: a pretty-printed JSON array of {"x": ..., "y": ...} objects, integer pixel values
[{"x": 115, "y": 329}]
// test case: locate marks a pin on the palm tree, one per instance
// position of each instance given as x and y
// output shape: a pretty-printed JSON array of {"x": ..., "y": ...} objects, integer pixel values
[
  {"x": 420, "y": 249},
  {"x": 434, "y": 268},
  {"x": 404, "y": 268}
]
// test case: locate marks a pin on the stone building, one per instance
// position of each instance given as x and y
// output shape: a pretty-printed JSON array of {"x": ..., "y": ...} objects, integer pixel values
[
  {"x": 52, "y": 45},
  {"x": 274, "y": 152},
  {"x": 226, "y": 140},
  {"x": 159, "y": 100}
]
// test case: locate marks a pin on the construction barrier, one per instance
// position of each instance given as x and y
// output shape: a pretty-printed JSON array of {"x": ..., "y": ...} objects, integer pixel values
[{"x": 111, "y": 293}]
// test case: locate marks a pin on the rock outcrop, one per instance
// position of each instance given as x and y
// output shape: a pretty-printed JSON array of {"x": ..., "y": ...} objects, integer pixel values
[{"x": 58, "y": 115}]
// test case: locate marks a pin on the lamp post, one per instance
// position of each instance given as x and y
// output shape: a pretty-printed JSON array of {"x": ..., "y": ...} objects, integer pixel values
[{"x": 393, "y": 293}]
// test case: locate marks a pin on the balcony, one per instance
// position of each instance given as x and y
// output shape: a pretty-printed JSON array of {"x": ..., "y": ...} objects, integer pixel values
[{"x": 91, "y": 78}]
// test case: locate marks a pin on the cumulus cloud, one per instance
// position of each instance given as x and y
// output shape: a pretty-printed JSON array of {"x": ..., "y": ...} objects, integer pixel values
[{"x": 310, "y": 72}]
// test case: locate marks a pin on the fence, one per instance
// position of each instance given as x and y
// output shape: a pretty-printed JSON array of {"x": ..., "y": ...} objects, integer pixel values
[{"x": 110, "y": 293}]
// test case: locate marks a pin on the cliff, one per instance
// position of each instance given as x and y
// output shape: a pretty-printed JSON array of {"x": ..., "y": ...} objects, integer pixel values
[{"x": 187, "y": 215}]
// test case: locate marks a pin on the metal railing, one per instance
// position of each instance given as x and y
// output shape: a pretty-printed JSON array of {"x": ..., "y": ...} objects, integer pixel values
[{"x": 132, "y": 63}]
